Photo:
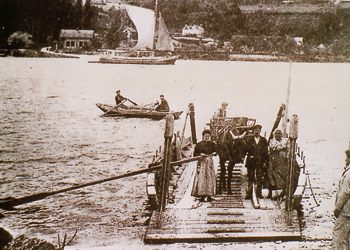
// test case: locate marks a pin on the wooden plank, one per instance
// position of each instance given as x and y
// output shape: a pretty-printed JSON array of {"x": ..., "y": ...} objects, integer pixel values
[
  {"x": 226, "y": 213},
  {"x": 223, "y": 221},
  {"x": 224, "y": 237},
  {"x": 179, "y": 231},
  {"x": 226, "y": 230},
  {"x": 198, "y": 229}
]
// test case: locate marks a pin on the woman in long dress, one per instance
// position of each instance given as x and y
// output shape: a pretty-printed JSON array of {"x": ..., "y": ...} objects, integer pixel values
[{"x": 205, "y": 179}]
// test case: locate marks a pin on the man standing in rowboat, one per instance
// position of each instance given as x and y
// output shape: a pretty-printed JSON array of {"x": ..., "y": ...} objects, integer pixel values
[
  {"x": 163, "y": 106},
  {"x": 341, "y": 230}
]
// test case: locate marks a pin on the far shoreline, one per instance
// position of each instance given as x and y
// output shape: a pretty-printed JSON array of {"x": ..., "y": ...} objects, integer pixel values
[{"x": 196, "y": 55}]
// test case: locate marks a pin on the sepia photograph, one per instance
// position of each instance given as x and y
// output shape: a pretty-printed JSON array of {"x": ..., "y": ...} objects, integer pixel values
[{"x": 182, "y": 124}]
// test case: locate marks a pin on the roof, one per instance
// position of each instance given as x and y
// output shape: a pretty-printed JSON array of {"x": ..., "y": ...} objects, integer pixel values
[
  {"x": 77, "y": 34},
  {"x": 98, "y": 2},
  {"x": 297, "y": 7}
]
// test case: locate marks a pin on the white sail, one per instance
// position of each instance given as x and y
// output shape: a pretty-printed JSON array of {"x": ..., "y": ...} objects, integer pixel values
[
  {"x": 144, "y": 20},
  {"x": 164, "y": 42}
]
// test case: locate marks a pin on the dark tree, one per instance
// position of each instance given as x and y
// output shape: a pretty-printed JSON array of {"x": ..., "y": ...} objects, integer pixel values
[
  {"x": 88, "y": 15},
  {"x": 328, "y": 27},
  {"x": 221, "y": 19},
  {"x": 79, "y": 17},
  {"x": 8, "y": 20},
  {"x": 257, "y": 24},
  {"x": 120, "y": 20}
]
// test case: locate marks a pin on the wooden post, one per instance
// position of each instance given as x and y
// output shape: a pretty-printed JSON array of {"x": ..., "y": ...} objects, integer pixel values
[
  {"x": 183, "y": 130},
  {"x": 193, "y": 123},
  {"x": 278, "y": 119},
  {"x": 168, "y": 134},
  {"x": 285, "y": 118},
  {"x": 293, "y": 135}
]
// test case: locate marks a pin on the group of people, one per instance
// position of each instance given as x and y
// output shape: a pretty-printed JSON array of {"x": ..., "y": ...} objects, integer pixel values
[
  {"x": 162, "y": 106},
  {"x": 266, "y": 164}
]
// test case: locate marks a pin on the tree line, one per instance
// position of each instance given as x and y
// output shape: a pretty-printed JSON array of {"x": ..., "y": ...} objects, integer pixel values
[
  {"x": 43, "y": 19},
  {"x": 221, "y": 19}
]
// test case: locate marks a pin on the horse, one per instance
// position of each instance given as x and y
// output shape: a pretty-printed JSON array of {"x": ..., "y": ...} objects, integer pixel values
[{"x": 230, "y": 147}]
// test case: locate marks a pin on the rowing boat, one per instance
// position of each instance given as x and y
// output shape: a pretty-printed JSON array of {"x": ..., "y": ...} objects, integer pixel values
[{"x": 137, "y": 111}]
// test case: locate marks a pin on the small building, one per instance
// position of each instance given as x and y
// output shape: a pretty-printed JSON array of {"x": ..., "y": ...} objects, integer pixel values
[
  {"x": 98, "y": 2},
  {"x": 193, "y": 30},
  {"x": 75, "y": 39},
  {"x": 130, "y": 32},
  {"x": 299, "y": 40}
]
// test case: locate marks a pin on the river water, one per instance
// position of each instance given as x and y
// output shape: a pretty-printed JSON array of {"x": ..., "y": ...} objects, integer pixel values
[{"x": 52, "y": 135}]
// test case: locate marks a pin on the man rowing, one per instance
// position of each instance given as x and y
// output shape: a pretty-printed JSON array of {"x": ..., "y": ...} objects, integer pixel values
[
  {"x": 119, "y": 98},
  {"x": 163, "y": 106}
]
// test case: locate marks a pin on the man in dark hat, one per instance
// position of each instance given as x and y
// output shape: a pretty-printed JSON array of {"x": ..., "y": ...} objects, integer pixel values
[
  {"x": 119, "y": 98},
  {"x": 341, "y": 230},
  {"x": 163, "y": 106},
  {"x": 257, "y": 159}
]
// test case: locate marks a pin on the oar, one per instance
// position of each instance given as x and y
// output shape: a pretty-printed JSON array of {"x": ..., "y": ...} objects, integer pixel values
[
  {"x": 131, "y": 101},
  {"x": 114, "y": 107},
  {"x": 151, "y": 104}
]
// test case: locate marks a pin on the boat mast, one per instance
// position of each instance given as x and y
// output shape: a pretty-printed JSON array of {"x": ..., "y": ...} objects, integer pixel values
[{"x": 156, "y": 23}]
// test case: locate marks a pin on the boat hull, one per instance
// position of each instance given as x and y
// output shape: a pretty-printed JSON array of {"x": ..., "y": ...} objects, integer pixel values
[
  {"x": 138, "y": 60},
  {"x": 139, "y": 112}
]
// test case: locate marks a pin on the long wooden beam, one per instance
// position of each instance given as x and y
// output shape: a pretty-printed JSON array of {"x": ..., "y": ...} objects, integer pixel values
[{"x": 10, "y": 202}]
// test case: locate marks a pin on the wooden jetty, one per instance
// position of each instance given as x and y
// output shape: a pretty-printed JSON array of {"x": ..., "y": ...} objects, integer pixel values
[{"x": 228, "y": 218}]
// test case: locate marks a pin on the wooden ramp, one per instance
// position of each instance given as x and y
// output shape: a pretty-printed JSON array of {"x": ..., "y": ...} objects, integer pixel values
[{"x": 228, "y": 218}]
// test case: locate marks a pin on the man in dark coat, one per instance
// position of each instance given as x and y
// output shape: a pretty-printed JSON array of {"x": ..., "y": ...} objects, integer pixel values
[
  {"x": 119, "y": 98},
  {"x": 257, "y": 161},
  {"x": 163, "y": 106}
]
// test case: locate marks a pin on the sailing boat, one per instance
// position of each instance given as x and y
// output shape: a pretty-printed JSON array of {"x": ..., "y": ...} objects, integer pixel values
[{"x": 153, "y": 36}]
